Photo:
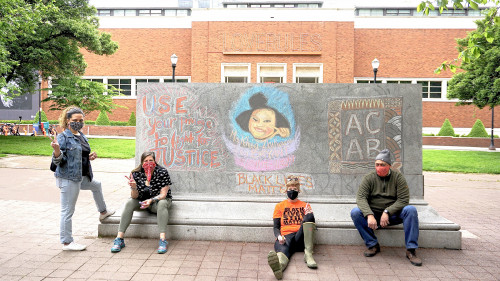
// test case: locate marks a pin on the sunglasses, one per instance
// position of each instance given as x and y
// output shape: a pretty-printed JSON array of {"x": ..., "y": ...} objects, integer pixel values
[{"x": 292, "y": 179}]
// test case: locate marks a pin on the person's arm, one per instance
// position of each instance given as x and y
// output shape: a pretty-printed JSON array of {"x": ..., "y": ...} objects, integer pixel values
[
  {"x": 403, "y": 195},
  {"x": 363, "y": 195},
  {"x": 162, "y": 195},
  {"x": 277, "y": 227},
  {"x": 59, "y": 146}
]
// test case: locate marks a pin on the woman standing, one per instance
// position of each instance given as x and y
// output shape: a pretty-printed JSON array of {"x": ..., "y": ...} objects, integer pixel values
[
  {"x": 149, "y": 189},
  {"x": 72, "y": 156},
  {"x": 294, "y": 227}
]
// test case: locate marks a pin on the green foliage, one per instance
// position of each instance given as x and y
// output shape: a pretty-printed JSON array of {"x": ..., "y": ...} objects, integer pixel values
[
  {"x": 478, "y": 130},
  {"x": 446, "y": 129},
  {"x": 87, "y": 95},
  {"x": 44, "y": 117},
  {"x": 131, "y": 120},
  {"x": 102, "y": 119},
  {"x": 461, "y": 161},
  {"x": 105, "y": 148},
  {"x": 42, "y": 38},
  {"x": 118, "y": 123}
]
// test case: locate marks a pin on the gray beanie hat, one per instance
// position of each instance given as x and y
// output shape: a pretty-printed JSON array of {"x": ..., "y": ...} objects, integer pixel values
[{"x": 384, "y": 155}]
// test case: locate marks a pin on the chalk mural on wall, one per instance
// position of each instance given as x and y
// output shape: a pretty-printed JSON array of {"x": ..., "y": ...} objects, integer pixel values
[
  {"x": 264, "y": 134},
  {"x": 182, "y": 132},
  {"x": 359, "y": 128}
]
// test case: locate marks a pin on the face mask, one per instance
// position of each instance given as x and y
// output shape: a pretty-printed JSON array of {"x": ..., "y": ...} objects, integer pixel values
[
  {"x": 148, "y": 169},
  {"x": 382, "y": 171},
  {"x": 292, "y": 194},
  {"x": 76, "y": 126}
]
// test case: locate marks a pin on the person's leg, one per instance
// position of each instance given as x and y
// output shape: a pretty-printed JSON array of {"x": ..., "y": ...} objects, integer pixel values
[
  {"x": 409, "y": 215},
  {"x": 278, "y": 259},
  {"x": 69, "y": 195},
  {"x": 308, "y": 229},
  {"x": 128, "y": 211},
  {"x": 361, "y": 225},
  {"x": 96, "y": 188},
  {"x": 161, "y": 209}
]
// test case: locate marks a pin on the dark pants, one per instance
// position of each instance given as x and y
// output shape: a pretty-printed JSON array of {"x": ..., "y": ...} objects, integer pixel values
[{"x": 294, "y": 241}]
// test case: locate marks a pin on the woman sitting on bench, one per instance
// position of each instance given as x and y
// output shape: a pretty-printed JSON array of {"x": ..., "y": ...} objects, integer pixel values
[{"x": 150, "y": 189}]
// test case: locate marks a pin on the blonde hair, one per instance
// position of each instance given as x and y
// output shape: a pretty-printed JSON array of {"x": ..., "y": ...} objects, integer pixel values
[
  {"x": 292, "y": 181},
  {"x": 66, "y": 115}
]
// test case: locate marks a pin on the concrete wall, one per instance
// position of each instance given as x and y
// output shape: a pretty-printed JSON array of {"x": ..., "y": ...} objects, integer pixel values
[{"x": 330, "y": 138}]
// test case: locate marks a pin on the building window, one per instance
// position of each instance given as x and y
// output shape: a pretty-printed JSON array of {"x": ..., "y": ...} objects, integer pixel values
[
  {"x": 145, "y": 80},
  {"x": 398, "y": 12},
  {"x": 104, "y": 13},
  {"x": 124, "y": 13},
  {"x": 431, "y": 89},
  {"x": 235, "y": 73},
  {"x": 308, "y": 73},
  {"x": 271, "y": 73},
  {"x": 370, "y": 12},
  {"x": 150, "y": 13},
  {"x": 124, "y": 84},
  {"x": 177, "y": 80},
  {"x": 368, "y": 81}
]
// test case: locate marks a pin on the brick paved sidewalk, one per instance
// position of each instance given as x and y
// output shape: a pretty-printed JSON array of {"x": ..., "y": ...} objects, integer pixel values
[{"x": 30, "y": 250}]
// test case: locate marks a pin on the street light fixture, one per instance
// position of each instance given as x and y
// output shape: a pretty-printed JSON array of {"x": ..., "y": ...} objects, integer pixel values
[
  {"x": 173, "y": 59},
  {"x": 375, "y": 65},
  {"x": 492, "y": 143}
]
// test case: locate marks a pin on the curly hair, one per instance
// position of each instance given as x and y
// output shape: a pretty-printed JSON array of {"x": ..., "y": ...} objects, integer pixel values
[{"x": 66, "y": 115}]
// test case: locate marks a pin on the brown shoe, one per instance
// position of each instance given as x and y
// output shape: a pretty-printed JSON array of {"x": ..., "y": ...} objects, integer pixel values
[
  {"x": 372, "y": 251},
  {"x": 412, "y": 256}
]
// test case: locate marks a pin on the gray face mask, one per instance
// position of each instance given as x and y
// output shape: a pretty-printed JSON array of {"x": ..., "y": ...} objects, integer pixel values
[{"x": 76, "y": 126}]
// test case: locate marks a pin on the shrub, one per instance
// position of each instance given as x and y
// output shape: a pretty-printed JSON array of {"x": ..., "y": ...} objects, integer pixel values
[
  {"x": 131, "y": 120},
  {"x": 44, "y": 117},
  {"x": 478, "y": 130},
  {"x": 446, "y": 129},
  {"x": 102, "y": 119},
  {"x": 118, "y": 123}
]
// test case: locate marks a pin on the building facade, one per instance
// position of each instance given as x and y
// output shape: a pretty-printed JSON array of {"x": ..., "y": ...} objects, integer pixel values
[{"x": 280, "y": 41}]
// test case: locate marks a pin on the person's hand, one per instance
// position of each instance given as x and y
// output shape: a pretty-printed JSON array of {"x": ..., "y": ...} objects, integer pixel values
[
  {"x": 372, "y": 222},
  {"x": 308, "y": 209},
  {"x": 55, "y": 145},
  {"x": 145, "y": 204},
  {"x": 92, "y": 156},
  {"x": 283, "y": 132},
  {"x": 281, "y": 240},
  {"x": 384, "y": 220},
  {"x": 131, "y": 181}
]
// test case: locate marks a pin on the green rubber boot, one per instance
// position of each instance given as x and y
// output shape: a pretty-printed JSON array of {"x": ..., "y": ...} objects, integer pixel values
[
  {"x": 309, "y": 228},
  {"x": 278, "y": 262}
]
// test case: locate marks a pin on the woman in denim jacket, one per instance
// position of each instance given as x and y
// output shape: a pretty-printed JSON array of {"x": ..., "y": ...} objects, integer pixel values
[{"x": 72, "y": 157}]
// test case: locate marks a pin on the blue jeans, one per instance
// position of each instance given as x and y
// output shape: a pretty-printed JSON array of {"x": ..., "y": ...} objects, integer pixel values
[
  {"x": 408, "y": 216},
  {"x": 69, "y": 194}
]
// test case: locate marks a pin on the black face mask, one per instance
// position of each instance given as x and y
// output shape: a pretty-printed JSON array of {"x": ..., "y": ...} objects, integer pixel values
[
  {"x": 292, "y": 194},
  {"x": 77, "y": 126}
]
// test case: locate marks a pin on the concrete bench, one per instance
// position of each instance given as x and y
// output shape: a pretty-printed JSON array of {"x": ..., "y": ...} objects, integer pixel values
[{"x": 238, "y": 219}]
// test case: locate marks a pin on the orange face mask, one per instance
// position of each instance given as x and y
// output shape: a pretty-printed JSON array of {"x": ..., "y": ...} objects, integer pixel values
[{"x": 148, "y": 169}]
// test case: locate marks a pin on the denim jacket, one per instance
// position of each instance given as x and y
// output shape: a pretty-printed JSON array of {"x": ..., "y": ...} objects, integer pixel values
[{"x": 69, "y": 163}]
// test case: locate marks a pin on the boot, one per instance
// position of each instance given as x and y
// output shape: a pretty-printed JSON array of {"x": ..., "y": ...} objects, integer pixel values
[
  {"x": 309, "y": 228},
  {"x": 278, "y": 262}
]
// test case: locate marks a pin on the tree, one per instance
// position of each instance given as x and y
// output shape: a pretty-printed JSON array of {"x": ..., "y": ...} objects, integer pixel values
[
  {"x": 473, "y": 48},
  {"x": 43, "y": 38}
]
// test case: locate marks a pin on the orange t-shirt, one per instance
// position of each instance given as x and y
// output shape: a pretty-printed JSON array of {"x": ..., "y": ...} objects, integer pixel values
[{"x": 291, "y": 215}]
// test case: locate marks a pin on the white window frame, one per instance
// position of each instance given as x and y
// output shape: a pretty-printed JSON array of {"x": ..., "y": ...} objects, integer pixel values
[
  {"x": 444, "y": 85},
  {"x": 223, "y": 70},
  {"x": 133, "y": 92},
  {"x": 284, "y": 65},
  {"x": 311, "y": 65}
]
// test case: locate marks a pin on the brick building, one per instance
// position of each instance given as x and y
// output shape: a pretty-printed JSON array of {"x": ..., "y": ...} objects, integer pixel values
[{"x": 280, "y": 41}]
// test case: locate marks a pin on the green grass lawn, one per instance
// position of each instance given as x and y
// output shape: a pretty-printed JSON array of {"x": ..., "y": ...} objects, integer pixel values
[
  {"x": 461, "y": 161},
  {"x": 26, "y": 145},
  {"x": 433, "y": 160}
]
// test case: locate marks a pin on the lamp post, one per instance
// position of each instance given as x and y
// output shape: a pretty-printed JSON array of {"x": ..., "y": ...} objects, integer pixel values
[
  {"x": 375, "y": 64},
  {"x": 173, "y": 59},
  {"x": 492, "y": 143}
]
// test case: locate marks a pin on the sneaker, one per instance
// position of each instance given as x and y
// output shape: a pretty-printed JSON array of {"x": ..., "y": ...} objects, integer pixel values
[
  {"x": 118, "y": 245},
  {"x": 162, "y": 249},
  {"x": 74, "y": 247},
  {"x": 412, "y": 256},
  {"x": 105, "y": 215},
  {"x": 372, "y": 251}
]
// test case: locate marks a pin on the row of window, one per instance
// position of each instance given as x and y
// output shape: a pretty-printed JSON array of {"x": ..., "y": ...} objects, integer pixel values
[
  {"x": 274, "y": 5},
  {"x": 379, "y": 12},
  {"x": 271, "y": 73},
  {"x": 143, "y": 12},
  {"x": 430, "y": 89}
]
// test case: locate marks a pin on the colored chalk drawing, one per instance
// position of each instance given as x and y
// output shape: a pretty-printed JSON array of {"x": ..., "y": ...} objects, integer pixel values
[
  {"x": 270, "y": 183},
  {"x": 182, "y": 132},
  {"x": 264, "y": 135}
]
